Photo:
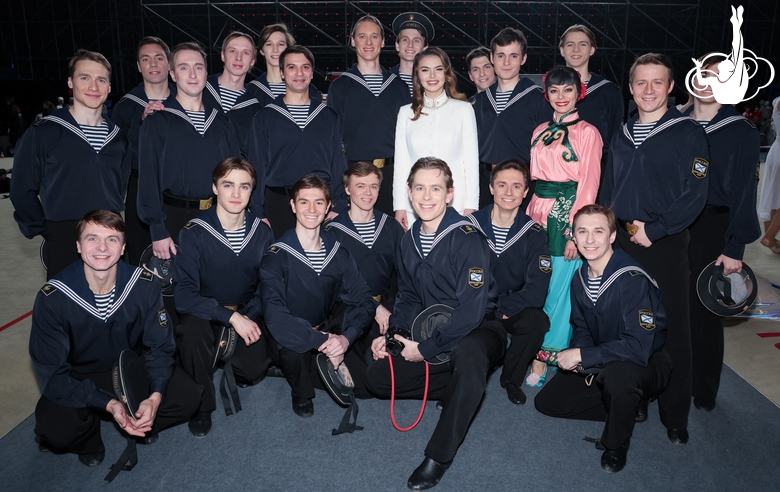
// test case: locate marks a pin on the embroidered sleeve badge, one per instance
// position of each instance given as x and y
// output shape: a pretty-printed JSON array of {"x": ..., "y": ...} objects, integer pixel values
[
  {"x": 700, "y": 167},
  {"x": 476, "y": 277},
  {"x": 647, "y": 319},
  {"x": 162, "y": 317},
  {"x": 545, "y": 263}
]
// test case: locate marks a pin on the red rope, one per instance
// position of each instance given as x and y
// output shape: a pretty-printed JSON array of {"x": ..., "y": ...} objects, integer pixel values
[{"x": 392, "y": 398}]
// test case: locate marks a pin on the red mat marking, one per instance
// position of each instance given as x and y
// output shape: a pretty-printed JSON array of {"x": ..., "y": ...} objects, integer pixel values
[
  {"x": 769, "y": 334},
  {"x": 20, "y": 318}
]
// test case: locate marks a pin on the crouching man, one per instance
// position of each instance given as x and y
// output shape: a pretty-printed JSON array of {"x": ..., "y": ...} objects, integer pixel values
[
  {"x": 82, "y": 320},
  {"x": 442, "y": 259},
  {"x": 302, "y": 278},
  {"x": 616, "y": 361}
]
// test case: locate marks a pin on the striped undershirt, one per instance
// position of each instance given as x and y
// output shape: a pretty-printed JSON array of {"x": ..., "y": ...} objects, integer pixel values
[
  {"x": 103, "y": 302},
  {"x": 593, "y": 288},
  {"x": 96, "y": 135},
  {"x": 366, "y": 231},
  {"x": 407, "y": 77},
  {"x": 501, "y": 99},
  {"x": 640, "y": 132},
  {"x": 299, "y": 113},
  {"x": 426, "y": 241},
  {"x": 703, "y": 123},
  {"x": 374, "y": 82},
  {"x": 277, "y": 88},
  {"x": 500, "y": 233},
  {"x": 198, "y": 119},
  {"x": 317, "y": 258},
  {"x": 236, "y": 237},
  {"x": 229, "y": 97}
]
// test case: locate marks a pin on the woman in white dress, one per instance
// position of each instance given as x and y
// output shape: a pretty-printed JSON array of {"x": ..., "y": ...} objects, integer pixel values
[
  {"x": 769, "y": 201},
  {"x": 439, "y": 123}
]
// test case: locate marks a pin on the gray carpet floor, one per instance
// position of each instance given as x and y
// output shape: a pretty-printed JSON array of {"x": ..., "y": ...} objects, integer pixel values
[{"x": 268, "y": 448}]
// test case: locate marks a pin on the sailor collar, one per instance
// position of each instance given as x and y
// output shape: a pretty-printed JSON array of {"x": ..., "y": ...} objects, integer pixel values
[
  {"x": 669, "y": 119},
  {"x": 452, "y": 220},
  {"x": 482, "y": 221},
  {"x": 138, "y": 94},
  {"x": 726, "y": 115},
  {"x": 343, "y": 222},
  {"x": 612, "y": 272},
  {"x": 261, "y": 83},
  {"x": 289, "y": 242},
  {"x": 595, "y": 83},
  {"x": 174, "y": 107},
  {"x": 354, "y": 74},
  {"x": 315, "y": 108},
  {"x": 73, "y": 284},
  {"x": 210, "y": 223},
  {"x": 524, "y": 87},
  {"x": 63, "y": 118},
  {"x": 212, "y": 85}
]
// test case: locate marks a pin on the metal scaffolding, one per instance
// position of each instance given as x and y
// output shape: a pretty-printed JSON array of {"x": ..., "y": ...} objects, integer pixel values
[{"x": 38, "y": 36}]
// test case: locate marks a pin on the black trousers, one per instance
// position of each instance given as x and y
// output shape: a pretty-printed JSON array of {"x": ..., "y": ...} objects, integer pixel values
[
  {"x": 60, "y": 249},
  {"x": 613, "y": 396},
  {"x": 459, "y": 383},
  {"x": 301, "y": 373},
  {"x": 707, "y": 243},
  {"x": 485, "y": 198},
  {"x": 77, "y": 430},
  {"x": 667, "y": 262},
  {"x": 138, "y": 236},
  {"x": 527, "y": 328},
  {"x": 196, "y": 340},
  {"x": 385, "y": 200},
  {"x": 175, "y": 219},
  {"x": 278, "y": 210}
]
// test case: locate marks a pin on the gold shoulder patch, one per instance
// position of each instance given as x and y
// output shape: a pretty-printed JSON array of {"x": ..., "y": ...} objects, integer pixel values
[
  {"x": 467, "y": 229},
  {"x": 146, "y": 275},
  {"x": 537, "y": 227},
  {"x": 476, "y": 277},
  {"x": 162, "y": 317},
  {"x": 647, "y": 319},
  {"x": 39, "y": 122},
  {"x": 273, "y": 249},
  {"x": 545, "y": 263},
  {"x": 189, "y": 225},
  {"x": 48, "y": 289},
  {"x": 700, "y": 168}
]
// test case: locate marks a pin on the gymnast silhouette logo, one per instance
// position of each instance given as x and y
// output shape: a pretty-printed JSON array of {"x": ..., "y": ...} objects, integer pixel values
[{"x": 726, "y": 77}]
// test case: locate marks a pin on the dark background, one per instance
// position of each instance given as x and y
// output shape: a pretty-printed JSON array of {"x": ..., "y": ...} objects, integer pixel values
[{"x": 39, "y": 36}]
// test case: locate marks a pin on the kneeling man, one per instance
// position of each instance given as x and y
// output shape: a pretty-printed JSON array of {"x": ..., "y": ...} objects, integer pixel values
[
  {"x": 216, "y": 274},
  {"x": 442, "y": 259},
  {"x": 616, "y": 360},
  {"x": 82, "y": 320},
  {"x": 303, "y": 276},
  {"x": 520, "y": 266}
]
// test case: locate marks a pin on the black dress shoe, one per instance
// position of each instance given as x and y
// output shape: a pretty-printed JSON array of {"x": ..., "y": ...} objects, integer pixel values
[
  {"x": 515, "y": 394},
  {"x": 274, "y": 372},
  {"x": 200, "y": 424},
  {"x": 92, "y": 459},
  {"x": 641, "y": 411},
  {"x": 677, "y": 436},
  {"x": 428, "y": 474},
  {"x": 303, "y": 407},
  {"x": 614, "y": 460},
  {"x": 704, "y": 405},
  {"x": 146, "y": 441},
  {"x": 439, "y": 405}
]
